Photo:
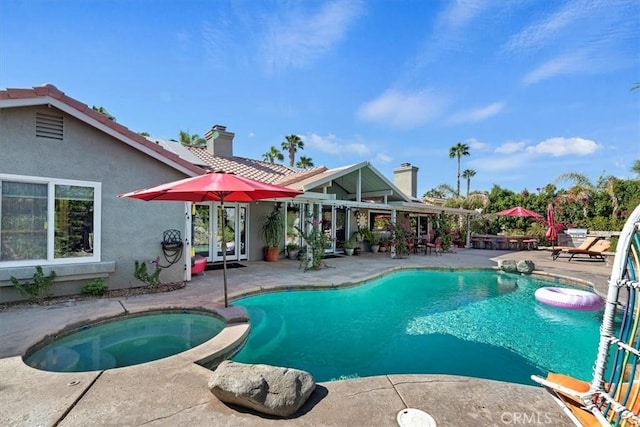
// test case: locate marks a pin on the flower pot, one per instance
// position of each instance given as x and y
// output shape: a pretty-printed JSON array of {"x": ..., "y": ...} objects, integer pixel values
[
  {"x": 375, "y": 248},
  {"x": 271, "y": 253},
  {"x": 348, "y": 251},
  {"x": 293, "y": 254}
]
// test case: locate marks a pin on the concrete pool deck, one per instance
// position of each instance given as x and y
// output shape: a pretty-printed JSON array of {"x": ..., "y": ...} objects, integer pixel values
[{"x": 174, "y": 391}]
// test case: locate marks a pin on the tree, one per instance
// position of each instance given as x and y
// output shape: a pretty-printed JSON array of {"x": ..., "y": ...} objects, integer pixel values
[
  {"x": 468, "y": 174},
  {"x": 196, "y": 140},
  {"x": 291, "y": 145},
  {"x": 304, "y": 162},
  {"x": 458, "y": 151},
  {"x": 442, "y": 191},
  {"x": 145, "y": 134},
  {"x": 636, "y": 168},
  {"x": 104, "y": 112},
  {"x": 272, "y": 155}
]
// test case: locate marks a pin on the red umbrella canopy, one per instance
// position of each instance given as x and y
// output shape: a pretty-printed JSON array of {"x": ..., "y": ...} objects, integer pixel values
[
  {"x": 213, "y": 186},
  {"x": 519, "y": 212}
]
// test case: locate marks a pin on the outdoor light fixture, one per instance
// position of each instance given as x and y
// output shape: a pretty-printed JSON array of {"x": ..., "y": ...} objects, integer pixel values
[{"x": 356, "y": 212}]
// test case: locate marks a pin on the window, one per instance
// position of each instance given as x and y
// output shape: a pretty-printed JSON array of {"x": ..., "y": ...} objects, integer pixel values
[{"x": 28, "y": 206}]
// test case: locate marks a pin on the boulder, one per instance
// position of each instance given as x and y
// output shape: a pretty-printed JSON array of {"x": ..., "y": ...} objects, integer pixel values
[
  {"x": 267, "y": 389},
  {"x": 525, "y": 266},
  {"x": 507, "y": 265}
]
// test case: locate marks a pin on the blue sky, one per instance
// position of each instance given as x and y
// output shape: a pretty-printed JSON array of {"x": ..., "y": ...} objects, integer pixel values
[{"x": 536, "y": 88}]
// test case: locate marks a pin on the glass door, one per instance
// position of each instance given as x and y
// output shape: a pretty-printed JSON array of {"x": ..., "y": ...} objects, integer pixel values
[
  {"x": 328, "y": 227},
  {"x": 201, "y": 230},
  {"x": 205, "y": 240},
  {"x": 235, "y": 234},
  {"x": 340, "y": 228}
]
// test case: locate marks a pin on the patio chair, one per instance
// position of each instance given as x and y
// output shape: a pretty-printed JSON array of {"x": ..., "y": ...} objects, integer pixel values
[
  {"x": 586, "y": 244},
  {"x": 437, "y": 246},
  {"x": 612, "y": 396},
  {"x": 594, "y": 252}
]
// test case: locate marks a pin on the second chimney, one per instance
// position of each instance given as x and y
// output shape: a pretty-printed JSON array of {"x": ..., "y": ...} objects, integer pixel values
[{"x": 406, "y": 179}]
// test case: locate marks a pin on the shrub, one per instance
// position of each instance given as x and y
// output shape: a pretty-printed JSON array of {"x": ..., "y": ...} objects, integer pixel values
[
  {"x": 96, "y": 287},
  {"x": 140, "y": 272},
  {"x": 36, "y": 290}
]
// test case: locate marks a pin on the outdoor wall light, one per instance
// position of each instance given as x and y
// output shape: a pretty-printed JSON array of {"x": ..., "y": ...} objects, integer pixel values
[{"x": 356, "y": 212}]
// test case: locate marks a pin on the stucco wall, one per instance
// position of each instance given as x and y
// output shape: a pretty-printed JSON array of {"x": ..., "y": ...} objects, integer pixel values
[{"x": 131, "y": 229}]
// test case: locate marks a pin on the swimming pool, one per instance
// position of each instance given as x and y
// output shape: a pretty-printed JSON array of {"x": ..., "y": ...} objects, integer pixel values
[
  {"x": 125, "y": 341},
  {"x": 482, "y": 323}
]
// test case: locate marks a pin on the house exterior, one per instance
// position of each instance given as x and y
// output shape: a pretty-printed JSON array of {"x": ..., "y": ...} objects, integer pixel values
[{"x": 63, "y": 165}]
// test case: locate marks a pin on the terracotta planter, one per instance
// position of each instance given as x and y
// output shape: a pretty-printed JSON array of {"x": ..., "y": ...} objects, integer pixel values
[{"x": 271, "y": 253}]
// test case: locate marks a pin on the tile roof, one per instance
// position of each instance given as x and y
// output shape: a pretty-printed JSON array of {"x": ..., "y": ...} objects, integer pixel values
[
  {"x": 271, "y": 173},
  {"x": 49, "y": 94}
]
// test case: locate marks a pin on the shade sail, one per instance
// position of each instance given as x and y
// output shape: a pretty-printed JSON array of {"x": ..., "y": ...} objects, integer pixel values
[{"x": 214, "y": 187}]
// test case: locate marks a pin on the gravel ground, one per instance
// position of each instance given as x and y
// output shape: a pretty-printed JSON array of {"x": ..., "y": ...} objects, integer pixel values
[{"x": 116, "y": 293}]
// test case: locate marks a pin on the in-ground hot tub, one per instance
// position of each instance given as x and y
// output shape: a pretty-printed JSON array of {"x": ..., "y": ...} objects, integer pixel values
[{"x": 125, "y": 341}]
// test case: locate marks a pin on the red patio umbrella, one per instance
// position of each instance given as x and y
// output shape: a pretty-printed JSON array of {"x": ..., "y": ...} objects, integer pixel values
[
  {"x": 214, "y": 187},
  {"x": 552, "y": 232},
  {"x": 519, "y": 212}
]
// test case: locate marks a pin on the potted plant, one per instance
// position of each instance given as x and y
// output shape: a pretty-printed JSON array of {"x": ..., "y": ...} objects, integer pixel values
[
  {"x": 367, "y": 237},
  {"x": 349, "y": 247},
  {"x": 272, "y": 232},
  {"x": 375, "y": 243},
  {"x": 293, "y": 250}
]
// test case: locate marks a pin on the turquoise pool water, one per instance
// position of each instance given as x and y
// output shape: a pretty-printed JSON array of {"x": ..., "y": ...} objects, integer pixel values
[
  {"x": 125, "y": 342},
  {"x": 482, "y": 324}
]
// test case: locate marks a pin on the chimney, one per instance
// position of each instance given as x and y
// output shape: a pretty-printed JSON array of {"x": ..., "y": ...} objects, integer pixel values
[
  {"x": 222, "y": 144},
  {"x": 406, "y": 179}
]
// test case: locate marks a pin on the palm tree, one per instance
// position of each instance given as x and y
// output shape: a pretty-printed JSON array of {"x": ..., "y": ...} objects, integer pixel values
[
  {"x": 196, "y": 140},
  {"x": 304, "y": 162},
  {"x": 292, "y": 144},
  {"x": 272, "y": 155},
  {"x": 468, "y": 174},
  {"x": 458, "y": 151}
]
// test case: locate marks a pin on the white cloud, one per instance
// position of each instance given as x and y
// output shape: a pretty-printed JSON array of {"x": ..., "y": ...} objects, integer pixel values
[
  {"x": 403, "y": 109},
  {"x": 478, "y": 114},
  {"x": 330, "y": 144},
  {"x": 476, "y": 145},
  {"x": 574, "y": 62},
  {"x": 511, "y": 147},
  {"x": 300, "y": 38},
  {"x": 462, "y": 12},
  {"x": 383, "y": 158},
  {"x": 536, "y": 35},
  {"x": 557, "y": 147}
]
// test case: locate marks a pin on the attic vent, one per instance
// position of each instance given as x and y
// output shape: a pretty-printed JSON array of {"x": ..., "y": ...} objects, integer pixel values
[{"x": 49, "y": 126}]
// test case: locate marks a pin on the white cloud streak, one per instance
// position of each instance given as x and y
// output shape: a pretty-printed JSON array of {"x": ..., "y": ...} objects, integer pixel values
[
  {"x": 403, "y": 109},
  {"x": 298, "y": 39},
  {"x": 332, "y": 145},
  {"x": 478, "y": 114},
  {"x": 511, "y": 147}
]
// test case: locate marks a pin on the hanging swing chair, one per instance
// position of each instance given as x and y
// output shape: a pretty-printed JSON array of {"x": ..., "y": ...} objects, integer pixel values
[{"x": 613, "y": 395}]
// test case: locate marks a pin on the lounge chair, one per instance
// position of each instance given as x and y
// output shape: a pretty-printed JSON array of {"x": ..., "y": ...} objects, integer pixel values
[
  {"x": 595, "y": 251},
  {"x": 586, "y": 244},
  {"x": 612, "y": 395}
]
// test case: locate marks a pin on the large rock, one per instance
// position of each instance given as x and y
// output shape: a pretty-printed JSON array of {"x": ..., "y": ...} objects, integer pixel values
[
  {"x": 268, "y": 389},
  {"x": 507, "y": 265},
  {"x": 525, "y": 266}
]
